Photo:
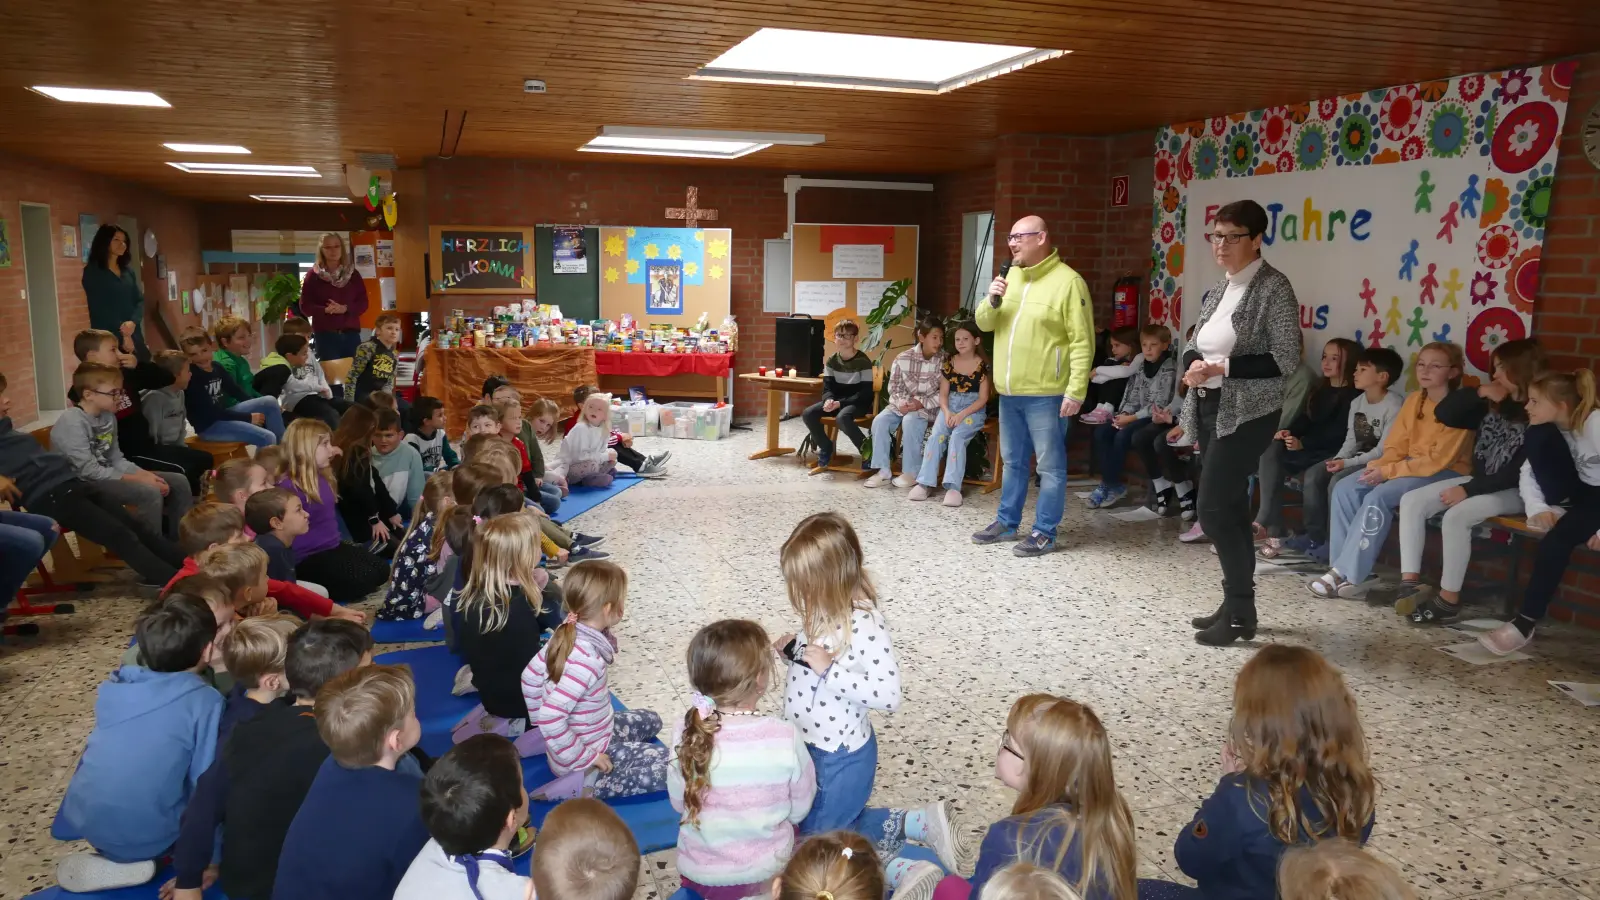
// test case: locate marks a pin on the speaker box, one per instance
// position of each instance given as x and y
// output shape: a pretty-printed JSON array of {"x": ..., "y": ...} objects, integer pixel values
[{"x": 798, "y": 343}]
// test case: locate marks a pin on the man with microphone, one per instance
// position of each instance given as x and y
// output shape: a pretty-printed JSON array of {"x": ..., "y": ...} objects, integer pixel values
[{"x": 1043, "y": 329}]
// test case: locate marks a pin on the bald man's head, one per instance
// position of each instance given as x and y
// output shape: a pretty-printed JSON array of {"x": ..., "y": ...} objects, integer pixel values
[{"x": 1029, "y": 241}]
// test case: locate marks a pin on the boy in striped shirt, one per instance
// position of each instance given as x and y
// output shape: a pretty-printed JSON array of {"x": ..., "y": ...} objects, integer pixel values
[{"x": 846, "y": 393}]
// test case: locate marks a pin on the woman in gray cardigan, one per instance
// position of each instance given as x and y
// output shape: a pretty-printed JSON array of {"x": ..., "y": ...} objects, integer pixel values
[{"x": 1247, "y": 340}]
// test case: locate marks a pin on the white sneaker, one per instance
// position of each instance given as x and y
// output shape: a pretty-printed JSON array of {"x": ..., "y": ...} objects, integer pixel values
[
  {"x": 1504, "y": 640},
  {"x": 434, "y": 621},
  {"x": 941, "y": 837},
  {"x": 878, "y": 479},
  {"x": 919, "y": 882},
  {"x": 904, "y": 480},
  {"x": 82, "y": 873}
]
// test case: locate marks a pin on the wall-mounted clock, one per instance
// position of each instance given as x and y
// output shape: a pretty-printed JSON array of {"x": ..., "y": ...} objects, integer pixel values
[{"x": 1591, "y": 136}]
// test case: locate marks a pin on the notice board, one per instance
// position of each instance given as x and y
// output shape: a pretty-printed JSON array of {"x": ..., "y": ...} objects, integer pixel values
[
  {"x": 480, "y": 259},
  {"x": 841, "y": 271},
  {"x": 578, "y": 294},
  {"x": 669, "y": 275}
]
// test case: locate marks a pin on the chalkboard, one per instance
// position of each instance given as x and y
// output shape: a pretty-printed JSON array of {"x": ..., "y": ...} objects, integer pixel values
[
  {"x": 578, "y": 295},
  {"x": 476, "y": 259}
]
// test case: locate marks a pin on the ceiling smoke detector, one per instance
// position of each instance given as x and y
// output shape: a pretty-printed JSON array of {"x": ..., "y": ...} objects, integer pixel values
[
  {"x": 376, "y": 161},
  {"x": 534, "y": 86}
]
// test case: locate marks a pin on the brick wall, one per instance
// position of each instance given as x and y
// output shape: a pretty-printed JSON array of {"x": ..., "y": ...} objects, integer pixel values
[{"x": 69, "y": 192}]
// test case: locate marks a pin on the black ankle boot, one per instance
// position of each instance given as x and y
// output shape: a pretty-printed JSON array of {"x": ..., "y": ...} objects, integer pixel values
[
  {"x": 1222, "y": 633},
  {"x": 1201, "y": 623}
]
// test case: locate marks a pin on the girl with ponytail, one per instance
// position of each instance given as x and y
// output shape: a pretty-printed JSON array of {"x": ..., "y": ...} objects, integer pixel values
[
  {"x": 1556, "y": 473},
  {"x": 742, "y": 781},
  {"x": 592, "y": 749},
  {"x": 839, "y": 865}
]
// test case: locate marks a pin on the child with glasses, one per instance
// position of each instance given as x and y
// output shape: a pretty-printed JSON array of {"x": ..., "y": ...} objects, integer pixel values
[{"x": 847, "y": 391}]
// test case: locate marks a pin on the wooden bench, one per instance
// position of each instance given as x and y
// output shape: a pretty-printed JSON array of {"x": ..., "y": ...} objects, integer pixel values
[{"x": 995, "y": 463}]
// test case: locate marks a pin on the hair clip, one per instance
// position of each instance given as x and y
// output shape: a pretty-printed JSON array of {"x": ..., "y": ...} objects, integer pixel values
[
  {"x": 571, "y": 619},
  {"x": 477, "y": 520},
  {"x": 848, "y": 853},
  {"x": 702, "y": 704},
  {"x": 824, "y": 895}
]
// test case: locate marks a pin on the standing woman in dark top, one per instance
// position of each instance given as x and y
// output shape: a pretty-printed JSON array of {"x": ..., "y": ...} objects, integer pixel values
[
  {"x": 1246, "y": 341},
  {"x": 1496, "y": 412},
  {"x": 1312, "y": 439},
  {"x": 334, "y": 297},
  {"x": 112, "y": 287}
]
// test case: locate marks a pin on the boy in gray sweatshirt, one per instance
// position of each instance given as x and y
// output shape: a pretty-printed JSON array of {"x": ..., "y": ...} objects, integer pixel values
[
  {"x": 86, "y": 434},
  {"x": 163, "y": 407}
]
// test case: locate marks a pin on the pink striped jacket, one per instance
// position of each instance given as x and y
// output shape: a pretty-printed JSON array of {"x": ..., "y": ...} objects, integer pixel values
[{"x": 574, "y": 714}]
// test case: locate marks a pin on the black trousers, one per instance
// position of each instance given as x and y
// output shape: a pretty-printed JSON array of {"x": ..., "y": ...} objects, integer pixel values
[
  {"x": 328, "y": 410},
  {"x": 76, "y": 506},
  {"x": 629, "y": 457},
  {"x": 1224, "y": 502},
  {"x": 192, "y": 463},
  {"x": 1149, "y": 439},
  {"x": 349, "y": 572},
  {"x": 844, "y": 417}
]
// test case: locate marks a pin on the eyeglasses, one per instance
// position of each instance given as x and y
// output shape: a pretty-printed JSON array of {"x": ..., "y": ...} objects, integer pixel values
[
  {"x": 1016, "y": 236},
  {"x": 1005, "y": 747},
  {"x": 1219, "y": 238},
  {"x": 100, "y": 392}
]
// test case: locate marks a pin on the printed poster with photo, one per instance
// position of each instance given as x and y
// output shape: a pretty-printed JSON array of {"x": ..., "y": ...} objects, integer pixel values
[
  {"x": 366, "y": 261},
  {"x": 569, "y": 251},
  {"x": 663, "y": 287}
]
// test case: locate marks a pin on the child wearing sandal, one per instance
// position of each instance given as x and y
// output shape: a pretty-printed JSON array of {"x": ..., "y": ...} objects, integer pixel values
[
  {"x": 1495, "y": 411},
  {"x": 913, "y": 391},
  {"x": 841, "y": 665},
  {"x": 593, "y": 749},
  {"x": 1419, "y": 451},
  {"x": 413, "y": 562},
  {"x": 1294, "y": 771},
  {"x": 1556, "y": 472},
  {"x": 964, "y": 389},
  {"x": 741, "y": 780}
]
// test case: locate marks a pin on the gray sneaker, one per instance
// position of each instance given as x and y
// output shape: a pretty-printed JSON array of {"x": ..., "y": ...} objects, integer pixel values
[
  {"x": 994, "y": 533},
  {"x": 1036, "y": 544}
]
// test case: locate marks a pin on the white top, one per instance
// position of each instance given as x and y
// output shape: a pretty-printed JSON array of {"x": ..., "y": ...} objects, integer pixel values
[
  {"x": 583, "y": 451},
  {"x": 1368, "y": 425},
  {"x": 1585, "y": 446},
  {"x": 831, "y": 707},
  {"x": 1215, "y": 341},
  {"x": 433, "y": 876}
]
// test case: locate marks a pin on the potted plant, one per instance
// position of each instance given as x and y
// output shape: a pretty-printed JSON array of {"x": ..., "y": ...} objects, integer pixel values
[{"x": 279, "y": 294}]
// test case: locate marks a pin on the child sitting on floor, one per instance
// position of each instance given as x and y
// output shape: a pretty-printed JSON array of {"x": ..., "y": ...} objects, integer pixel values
[
  {"x": 840, "y": 864},
  {"x": 586, "y": 852},
  {"x": 1025, "y": 881},
  {"x": 1336, "y": 869},
  {"x": 913, "y": 405},
  {"x": 277, "y": 517},
  {"x": 374, "y": 365},
  {"x": 474, "y": 805},
  {"x": 481, "y": 419},
  {"x": 427, "y": 435},
  {"x": 264, "y": 771},
  {"x": 1151, "y": 386},
  {"x": 584, "y": 455},
  {"x": 742, "y": 781},
  {"x": 349, "y": 572},
  {"x": 218, "y": 408},
  {"x": 242, "y": 569},
  {"x": 398, "y": 464},
  {"x": 1294, "y": 771},
  {"x": 1495, "y": 411},
  {"x": 155, "y": 732},
  {"x": 365, "y": 792},
  {"x": 86, "y": 434},
  {"x": 1556, "y": 473},
  {"x": 964, "y": 389},
  {"x": 413, "y": 564},
  {"x": 219, "y": 600},
  {"x": 236, "y": 481},
  {"x": 371, "y": 516},
  {"x": 592, "y": 749},
  {"x": 253, "y": 652},
  {"x": 213, "y": 524},
  {"x": 542, "y": 416},
  {"x": 560, "y": 545},
  {"x": 531, "y": 475},
  {"x": 651, "y": 466},
  {"x": 1109, "y": 380},
  {"x": 1419, "y": 450},
  {"x": 835, "y": 679}
]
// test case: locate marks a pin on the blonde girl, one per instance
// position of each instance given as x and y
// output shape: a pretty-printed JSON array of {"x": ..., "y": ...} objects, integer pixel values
[
  {"x": 544, "y": 416},
  {"x": 413, "y": 562},
  {"x": 349, "y": 572},
  {"x": 1022, "y": 881},
  {"x": 585, "y": 458},
  {"x": 1339, "y": 870},
  {"x": 235, "y": 480},
  {"x": 840, "y": 865},
  {"x": 742, "y": 780},
  {"x": 501, "y": 616},
  {"x": 841, "y": 665},
  {"x": 1294, "y": 771},
  {"x": 478, "y": 498},
  {"x": 1564, "y": 469},
  {"x": 1418, "y": 451},
  {"x": 1495, "y": 412},
  {"x": 592, "y": 749},
  {"x": 1068, "y": 816},
  {"x": 964, "y": 387}
]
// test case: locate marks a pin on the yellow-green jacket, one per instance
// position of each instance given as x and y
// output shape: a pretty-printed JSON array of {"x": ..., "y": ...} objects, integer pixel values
[{"x": 1043, "y": 331}]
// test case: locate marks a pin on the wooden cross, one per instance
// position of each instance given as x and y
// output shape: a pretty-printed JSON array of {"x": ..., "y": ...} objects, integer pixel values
[{"x": 691, "y": 212}]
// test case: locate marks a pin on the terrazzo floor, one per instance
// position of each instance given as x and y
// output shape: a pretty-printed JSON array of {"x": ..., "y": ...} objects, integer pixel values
[{"x": 1490, "y": 781}]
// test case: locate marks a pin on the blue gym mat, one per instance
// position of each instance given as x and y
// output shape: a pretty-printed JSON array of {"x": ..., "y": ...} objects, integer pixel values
[
  {"x": 405, "y": 631},
  {"x": 582, "y": 499},
  {"x": 146, "y": 891}
]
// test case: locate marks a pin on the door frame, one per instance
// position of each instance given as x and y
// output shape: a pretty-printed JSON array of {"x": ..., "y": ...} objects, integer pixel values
[{"x": 55, "y": 281}]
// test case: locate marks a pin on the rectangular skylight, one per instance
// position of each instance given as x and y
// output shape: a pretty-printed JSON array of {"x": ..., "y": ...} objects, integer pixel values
[
  {"x": 866, "y": 62},
  {"x": 690, "y": 142},
  {"x": 206, "y": 148},
  {"x": 99, "y": 95},
  {"x": 291, "y": 198},
  {"x": 211, "y": 168}
]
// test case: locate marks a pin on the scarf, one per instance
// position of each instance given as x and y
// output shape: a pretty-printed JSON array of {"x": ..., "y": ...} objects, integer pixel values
[
  {"x": 1151, "y": 368},
  {"x": 470, "y": 862},
  {"x": 347, "y": 266}
]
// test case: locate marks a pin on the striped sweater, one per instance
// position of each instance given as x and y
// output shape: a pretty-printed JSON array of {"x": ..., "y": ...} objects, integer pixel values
[
  {"x": 849, "y": 381},
  {"x": 761, "y": 786},
  {"x": 575, "y": 714}
]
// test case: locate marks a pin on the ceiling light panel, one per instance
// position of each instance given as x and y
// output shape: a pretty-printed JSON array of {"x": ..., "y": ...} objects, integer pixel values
[
  {"x": 292, "y": 198},
  {"x": 98, "y": 95},
  {"x": 691, "y": 142},
  {"x": 206, "y": 148},
  {"x": 211, "y": 168}
]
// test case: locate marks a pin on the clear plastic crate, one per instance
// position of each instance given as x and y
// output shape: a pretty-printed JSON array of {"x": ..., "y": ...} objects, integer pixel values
[{"x": 695, "y": 421}]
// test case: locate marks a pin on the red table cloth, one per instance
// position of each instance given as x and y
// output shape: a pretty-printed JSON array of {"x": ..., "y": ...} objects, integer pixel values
[{"x": 715, "y": 365}]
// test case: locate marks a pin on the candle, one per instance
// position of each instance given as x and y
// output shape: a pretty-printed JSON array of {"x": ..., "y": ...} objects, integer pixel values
[
  {"x": 762, "y": 370},
  {"x": 792, "y": 372}
]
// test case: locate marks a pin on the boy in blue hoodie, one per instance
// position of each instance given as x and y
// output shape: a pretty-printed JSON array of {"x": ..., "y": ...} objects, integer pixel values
[{"x": 155, "y": 733}]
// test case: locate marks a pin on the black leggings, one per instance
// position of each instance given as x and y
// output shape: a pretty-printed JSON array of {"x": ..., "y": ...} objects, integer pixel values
[
  {"x": 630, "y": 457},
  {"x": 315, "y": 407},
  {"x": 844, "y": 417},
  {"x": 76, "y": 506},
  {"x": 1224, "y": 503},
  {"x": 192, "y": 463},
  {"x": 349, "y": 572}
]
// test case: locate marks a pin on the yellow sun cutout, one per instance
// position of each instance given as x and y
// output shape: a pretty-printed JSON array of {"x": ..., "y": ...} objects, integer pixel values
[
  {"x": 691, "y": 269},
  {"x": 651, "y": 251},
  {"x": 700, "y": 236},
  {"x": 632, "y": 266},
  {"x": 674, "y": 252},
  {"x": 717, "y": 249},
  {"x": 630, "y": 232},
  {"x": 715, "y": 272},
  {"x": 611, "y": 275},
  {"x": 614, "y": 246}
]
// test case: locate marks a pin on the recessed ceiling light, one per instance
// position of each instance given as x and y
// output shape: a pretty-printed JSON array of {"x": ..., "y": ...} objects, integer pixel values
[
  {"x": 211, "y": 168},
  {"x": 98, "y": 95},
  {"x": 206, "y": 148},
  {"x": 691, "y": 142},
  {"x": 290, "y": 198},
  {"x": 866, "y": 62}
]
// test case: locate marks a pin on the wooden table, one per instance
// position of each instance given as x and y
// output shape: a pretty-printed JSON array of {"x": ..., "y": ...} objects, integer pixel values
[
  {"x": 776, "y": 388},
  {"x": 677, "y": 373}
]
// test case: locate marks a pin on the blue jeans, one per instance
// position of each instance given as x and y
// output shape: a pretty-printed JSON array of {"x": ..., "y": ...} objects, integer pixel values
[
  {"x": 950, "y": 444},
  {"x": 336, "y": 344},
  {"x": 549, "y": 498},
  {"x": 913, "y": 429},
  {"x": 1032, "y": 427},
  {"x": 844, "y": 783},
  {"x": 24, "y": 540},
  {"x": 230, "y": 430},
  {"x": 1112, "y": 445},
  {"x": 1361, "y": 518}
]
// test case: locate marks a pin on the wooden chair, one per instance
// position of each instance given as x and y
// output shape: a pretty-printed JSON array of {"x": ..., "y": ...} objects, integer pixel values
[
  {"x": 221, "y": 451},
  {"x": 830, "y": 425},
  {"x": 336, "y": 370},
  {"x": 991, "y": 433}
]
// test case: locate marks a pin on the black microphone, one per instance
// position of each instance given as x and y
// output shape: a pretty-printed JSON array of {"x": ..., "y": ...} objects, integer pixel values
[{"x": 1005, "y": 268}]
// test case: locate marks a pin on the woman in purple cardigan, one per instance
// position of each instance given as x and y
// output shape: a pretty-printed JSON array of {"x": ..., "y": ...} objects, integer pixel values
[{"x": 334, "y": 298}]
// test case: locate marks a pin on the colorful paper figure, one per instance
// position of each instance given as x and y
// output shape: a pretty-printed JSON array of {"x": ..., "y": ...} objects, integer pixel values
[
  {"x": 1451, "y": 287},
  {"x": 1469, "y": 198},
  {"x": 1375, "y": 339},
  {"x": 1443, "y": 334},
  {"x": 1417, "y": 323},
  {"x": 1407, "y": 260},
  {"x": 1424, "y": 194},
  {"x": 1429, "y": 282},
  {"x": 1367, "y": 293},
  {"x": 1448, "y": 223},
  {"x": 1395, "y": 316}
]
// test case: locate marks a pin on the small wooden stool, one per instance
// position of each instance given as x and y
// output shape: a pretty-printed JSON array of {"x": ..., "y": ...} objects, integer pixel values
[{"x": 221, "y": 451}]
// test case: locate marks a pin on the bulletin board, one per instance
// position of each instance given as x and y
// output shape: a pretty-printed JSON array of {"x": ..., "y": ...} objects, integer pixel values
[
  {"x": 854, "y": 264},
  {"x": 482, "y": 259},
  {"x": 578, "y": 294},
  {"x": 670, "y": 275}
]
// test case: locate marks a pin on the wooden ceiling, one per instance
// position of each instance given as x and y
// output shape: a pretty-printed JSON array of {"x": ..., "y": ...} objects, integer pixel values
[{"x": 316, "y": 82}]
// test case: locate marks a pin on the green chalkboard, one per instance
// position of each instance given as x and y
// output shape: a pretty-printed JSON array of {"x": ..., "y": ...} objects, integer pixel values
[
  {"x": 577, "y": 295},
  {"x": 473, "y": 259}
]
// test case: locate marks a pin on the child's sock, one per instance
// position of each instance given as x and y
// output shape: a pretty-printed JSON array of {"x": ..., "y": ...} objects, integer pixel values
[
  {"x": 1161, "y": 484},
  {"x": 1524, "y": 624},
  {"x": 916, "y": 825},
  {"x": 897, "y": 869},
  {"x": 1184, "y": 488}
]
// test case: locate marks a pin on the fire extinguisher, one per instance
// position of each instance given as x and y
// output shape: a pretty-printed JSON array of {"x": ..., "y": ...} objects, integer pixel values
[{"x": 1125, "y": 302}]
